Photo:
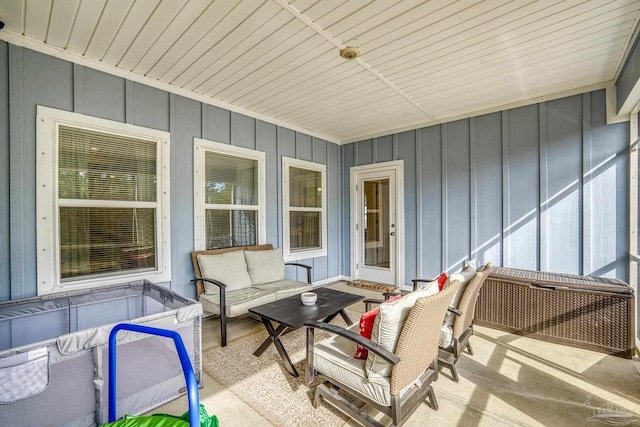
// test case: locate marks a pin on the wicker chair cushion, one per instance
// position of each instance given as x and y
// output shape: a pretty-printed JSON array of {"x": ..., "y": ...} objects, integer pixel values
[
  {"x": 334, "y": 358},
  {"x": 265, "y": 266},
  {"x": 387, "y": 328},
  {"x": 465, "y": 277},
  {"x": 285, "y": 288},
  {"x": 229, "y": 268},
  {"x": 238, "y": 302}
]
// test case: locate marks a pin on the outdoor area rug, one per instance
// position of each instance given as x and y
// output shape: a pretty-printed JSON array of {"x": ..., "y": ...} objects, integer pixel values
[{"x": 264, "y": 384}]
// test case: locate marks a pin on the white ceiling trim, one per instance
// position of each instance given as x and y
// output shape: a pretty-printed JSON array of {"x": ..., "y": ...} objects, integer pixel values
[
  {"x": 327, "y": 36},
  {"x": 523, "y": 103},
  {"x": 57, "y": 52}
]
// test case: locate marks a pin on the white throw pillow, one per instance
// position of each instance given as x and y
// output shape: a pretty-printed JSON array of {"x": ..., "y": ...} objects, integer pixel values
[
  {"x": 229, "y": 268},
  {"x": 265, "y": 266},
  {"x": 465, "y": 277},
  {"x": 387, "y": 327}
]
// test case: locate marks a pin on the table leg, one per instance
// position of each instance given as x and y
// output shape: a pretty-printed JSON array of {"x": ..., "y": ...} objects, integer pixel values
[
  {"x": 345, "y": 317},
  {"x": 329, "y": 318},
  {"x": 273, "y": 334},
  {"x": 274, "y": 337},
  {"x": 342, "y": 313},
  {"x": 285, "y": 357}
]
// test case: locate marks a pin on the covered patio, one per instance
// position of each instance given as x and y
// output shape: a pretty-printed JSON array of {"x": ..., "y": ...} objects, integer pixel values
[{"x": 379, "y": 141}]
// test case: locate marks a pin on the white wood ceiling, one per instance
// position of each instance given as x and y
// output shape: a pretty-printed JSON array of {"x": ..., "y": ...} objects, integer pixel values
[{"x": 421, "y": 61}]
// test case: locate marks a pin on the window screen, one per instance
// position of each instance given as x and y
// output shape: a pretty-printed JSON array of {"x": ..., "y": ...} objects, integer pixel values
[
  {"x": 305, "y": 191},
  {"x": 107, "y": 202},
  {"x": 231, "y": 200}
]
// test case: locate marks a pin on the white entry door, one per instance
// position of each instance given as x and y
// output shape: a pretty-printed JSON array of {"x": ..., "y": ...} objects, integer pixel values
[{"x": 376, "y": 224}]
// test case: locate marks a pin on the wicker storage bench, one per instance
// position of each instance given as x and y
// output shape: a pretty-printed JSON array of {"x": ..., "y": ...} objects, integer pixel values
[{"x": 594, "y": 313}]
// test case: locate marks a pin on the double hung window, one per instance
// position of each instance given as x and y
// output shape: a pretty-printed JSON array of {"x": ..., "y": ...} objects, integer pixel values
[
  {"x": 103, "y": 202},
  {"x": 304, "y": 207},
  {"x": 229, "y": 199}
]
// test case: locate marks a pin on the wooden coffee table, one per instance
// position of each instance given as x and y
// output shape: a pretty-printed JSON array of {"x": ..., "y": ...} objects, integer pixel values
[{"x": 290, "y": 314}]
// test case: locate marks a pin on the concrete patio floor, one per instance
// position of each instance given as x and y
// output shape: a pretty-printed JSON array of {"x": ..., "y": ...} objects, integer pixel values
[{"x": 510, "y": 380}]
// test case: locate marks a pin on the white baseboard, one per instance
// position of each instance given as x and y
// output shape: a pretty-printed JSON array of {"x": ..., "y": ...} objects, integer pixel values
[{"x": 330, "y": 280}]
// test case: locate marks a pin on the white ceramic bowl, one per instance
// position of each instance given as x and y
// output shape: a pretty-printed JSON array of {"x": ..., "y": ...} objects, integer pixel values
[{"x": 309, "y": 298}]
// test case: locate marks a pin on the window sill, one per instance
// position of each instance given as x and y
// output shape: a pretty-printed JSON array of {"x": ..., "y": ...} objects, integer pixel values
[
  {"x": 99, "y": 281},
  {"x": 306, "y": 254}
]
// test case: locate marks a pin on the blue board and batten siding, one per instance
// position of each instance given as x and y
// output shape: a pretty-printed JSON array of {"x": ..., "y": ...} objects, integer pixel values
[
  {"x": 541, "y": 187},
  {"x": 28, "y": 79},
  {"x": 544, "y": 186},
  {"x": 5, "y": 272}
]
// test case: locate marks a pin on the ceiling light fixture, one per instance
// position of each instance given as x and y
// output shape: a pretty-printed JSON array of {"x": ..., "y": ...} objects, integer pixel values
[{"x": 350, "y": 52}]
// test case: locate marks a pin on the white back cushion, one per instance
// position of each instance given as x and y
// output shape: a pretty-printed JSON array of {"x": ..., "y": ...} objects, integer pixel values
[
  {"x": 229, "y": 268},
  {"x": 387, "y": 327},
  {"x": 265, "y": 266}
]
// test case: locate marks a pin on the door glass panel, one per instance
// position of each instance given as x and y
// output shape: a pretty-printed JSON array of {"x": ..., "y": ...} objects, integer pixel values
[{"x": 376, "y": 223}]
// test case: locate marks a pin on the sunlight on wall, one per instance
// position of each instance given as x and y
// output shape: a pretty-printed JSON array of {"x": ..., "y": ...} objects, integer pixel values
[
  {"x": 520, "y": 242},
  {"x": 560, "y": 231},
  {"x": 488, "y": 251},
  {"x": 455, "y": 266},
  {"x": 600, "y": 216}
]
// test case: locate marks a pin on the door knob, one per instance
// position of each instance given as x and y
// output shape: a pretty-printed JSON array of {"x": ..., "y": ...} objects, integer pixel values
[{"x": 393, "y": 233}]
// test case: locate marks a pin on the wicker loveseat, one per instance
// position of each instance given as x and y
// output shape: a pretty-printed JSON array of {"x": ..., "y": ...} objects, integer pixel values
[{"x": 230, "y": 281}]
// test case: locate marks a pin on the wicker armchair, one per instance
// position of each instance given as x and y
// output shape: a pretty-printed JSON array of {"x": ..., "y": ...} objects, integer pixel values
[
  {"x": 463, "y": 324},
  {"x": 413, "y": 363}
]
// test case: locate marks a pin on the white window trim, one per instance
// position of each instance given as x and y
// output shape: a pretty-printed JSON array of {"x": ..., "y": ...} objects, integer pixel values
[
  {"x": 201, "y": 146},
  {"x": 634, "y": 256},
  {"x": 47, "y": 202},
  {"x": 287, "y": 254}
]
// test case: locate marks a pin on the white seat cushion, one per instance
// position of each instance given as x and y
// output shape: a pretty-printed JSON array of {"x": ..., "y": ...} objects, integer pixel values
[
  {"x": 333, "y": 357},
  {"x": 265, "y": 266},
  {"x": 229, "y": 268},
  {"x": 386, "y": 330},
  {"x": 238, "y": 302},
  {"x": 285, "y": 288}
]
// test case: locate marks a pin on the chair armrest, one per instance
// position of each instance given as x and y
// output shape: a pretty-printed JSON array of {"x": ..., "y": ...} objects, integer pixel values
[
  {"x": 303, "y": 266},
  {"x": 221, "y": 286},
  {"x": 367, "y": 303},
  {"x": 358, "y": 339},
  {"x": 212, "y": 281},
  {"x": 388, "y": 295},
  {"x": 455, "y": 311},
  {"x": 416, "y": 281}
]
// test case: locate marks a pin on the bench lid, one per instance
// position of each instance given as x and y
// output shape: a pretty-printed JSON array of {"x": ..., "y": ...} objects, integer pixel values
[{"x": 545, "y": 279}]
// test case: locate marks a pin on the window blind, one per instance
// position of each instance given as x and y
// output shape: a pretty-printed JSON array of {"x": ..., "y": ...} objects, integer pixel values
[
  {"x": 97, "y": 166},
  {"x": 305, "y": 188},
  {"x": 231, "y": 200},
  {"x": 230, "y": 180},
  {"x": 305, "y": 202}
]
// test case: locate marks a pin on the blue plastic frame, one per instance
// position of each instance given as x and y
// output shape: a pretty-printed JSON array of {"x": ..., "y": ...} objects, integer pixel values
[{"x": 189, "y": 375}]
